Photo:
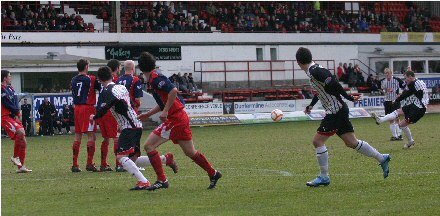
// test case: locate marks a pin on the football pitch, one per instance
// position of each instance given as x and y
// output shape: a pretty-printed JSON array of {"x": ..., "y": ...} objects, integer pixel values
[{"x": 265, "y": 168}]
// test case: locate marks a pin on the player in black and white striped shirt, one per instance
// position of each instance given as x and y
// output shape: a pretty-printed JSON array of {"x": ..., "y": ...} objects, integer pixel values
[
  {"x": 414, "y": 100},
  {"x": 390, "y": 86},
  {"x": 336, "y": 120},
  {"x": 116, "y": 99}
]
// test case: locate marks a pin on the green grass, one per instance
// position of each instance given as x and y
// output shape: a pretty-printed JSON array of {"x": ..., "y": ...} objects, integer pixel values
[{"x": 264, "y": 168}]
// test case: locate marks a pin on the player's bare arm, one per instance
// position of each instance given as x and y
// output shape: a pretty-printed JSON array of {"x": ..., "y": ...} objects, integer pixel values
[
  {"x": 146, "y": 115},
  {"x": 170, "y": 101}
]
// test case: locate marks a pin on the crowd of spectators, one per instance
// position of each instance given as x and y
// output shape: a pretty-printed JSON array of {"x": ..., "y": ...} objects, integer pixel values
[
  {"x": 16, "y": 17},
  {"x": 271, "y": 17},
  {"x": 184, "y": 83},
  {"x": 353, "y": 77}
]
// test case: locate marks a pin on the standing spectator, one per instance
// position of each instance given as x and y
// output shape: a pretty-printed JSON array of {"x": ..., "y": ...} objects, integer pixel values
[
  {"x": 341, "y": 73},
  {"x": 26, "y": 116},
  {"x": 47, "y": 112},
  {"x": 191, "y": 83},
  {"x": 360, "y": 80},
  {"x": 84, "y": 88},
  {"x": 352, "y": 77},
  {"x": 11, "y": 122},
  {"x": 175, "y": 124},
  {"x": 66, "y": 118}
]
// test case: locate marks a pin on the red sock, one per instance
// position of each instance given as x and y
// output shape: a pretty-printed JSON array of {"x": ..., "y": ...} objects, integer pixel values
[
  {"x": 90, "y": 152},
  {"x": 75, "y": 149},
  {"x": 201, "y": 160},
  {"x": 157, "y": 165},
  {"x": 21, "y": 148},
  {"x": 115, "y": 150},
  {"x": 104, "y": 153}
]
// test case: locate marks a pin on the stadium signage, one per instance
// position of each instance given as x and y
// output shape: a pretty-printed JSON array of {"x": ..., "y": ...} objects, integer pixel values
[
  {"x": 214, "y": 120},
  {"x": 431, "y": 81},
  {"x": 264, "y": 106},
  {"x": 57, "y": 100},
  {"x": 370, "y": 102},
  {"x": 163, "y": 53},
  {"x": 197, "y": 109}
]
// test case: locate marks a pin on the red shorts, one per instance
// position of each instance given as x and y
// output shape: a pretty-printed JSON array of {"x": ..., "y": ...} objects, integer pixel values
[
  {"x": 11, "y": 126},
  {"x": 175, "y": 128},
  {"x": 108, "y": 125},
  {"x": 82, "y": 118}
]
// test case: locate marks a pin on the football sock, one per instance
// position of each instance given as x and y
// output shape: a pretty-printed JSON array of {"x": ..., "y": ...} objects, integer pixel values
[
  {"x": 90, "y": 152},
  {"x": 115, "y": 150},
  {"x": 75, "y": 149},
  {"x": 398, "y": 130},
  {"x": 393, "y": 128},
  {"x": 367, "y": 150},
  {"x": 201, "y": 160},
  {"x": 20, "y": 142},
  {"x": 408, "y": 134},
  {"x": 144, "y": 161},
  {"x": 389, "y": 117},
  {"x": 104, "y": 153},
  {"x": 322, "y": 156},
  {"x": 157, "y": 165},
  {"x": 131, "y": 167}
]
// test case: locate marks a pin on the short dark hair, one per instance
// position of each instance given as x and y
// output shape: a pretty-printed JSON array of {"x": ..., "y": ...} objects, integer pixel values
[
  {"x": 146, "y": 62},
  {"x": 104, "y": 73},
  {"x": 113, "y": 64},
  {"x": 5, "y": 74},
  {"x": 303, "y": 55},
  {"x": 81, "y": 64},
  {"x": 410, "y": 73}
]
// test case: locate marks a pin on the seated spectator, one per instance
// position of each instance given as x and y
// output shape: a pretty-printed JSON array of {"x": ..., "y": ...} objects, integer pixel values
[
  {"x": 363, "y": 25},
  {"x": 191, "y": 84},
  {"x": 71, "y": 26},
  {"x": 360, "y": 81}
]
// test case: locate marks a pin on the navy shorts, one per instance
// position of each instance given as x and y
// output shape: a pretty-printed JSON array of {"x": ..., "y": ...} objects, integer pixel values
[
  {"x": 130, "y": 142},
  {"x": 413, "y": 113},
  {"x": 389, "y": 108},
  {"x": 338, "y": 123}
]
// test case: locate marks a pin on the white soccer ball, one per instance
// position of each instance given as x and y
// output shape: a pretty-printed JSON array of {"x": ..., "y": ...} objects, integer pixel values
[{"x": 276, "y": 115}]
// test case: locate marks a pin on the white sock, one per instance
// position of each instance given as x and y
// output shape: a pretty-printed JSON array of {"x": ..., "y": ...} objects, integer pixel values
[
  {"x": 393, "y": 128},
  {"x": 398, "y": 130},
  {"x": 389, "y": 117},
  {"x": 408, "y": 134},
  {"x": 144, "y": 161},
  {"x": 367, "y": 150},
  {"x": 322, "y": 156},
  {"x": 131, "y": 167}
]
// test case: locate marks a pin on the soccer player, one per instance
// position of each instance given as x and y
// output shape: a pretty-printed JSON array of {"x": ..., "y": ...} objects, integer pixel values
[
  {"x": 390, "y": 86},
  {"x": 11, "y": 122},
  {"x": 116, "y": 99},
  {"x": 336, "y": 120},
  {"x": 175, "y": 124},
  {"x": 132, "y": 83},
  {"x": 414, "y": 100},
  {"x": 108, "y": 125},
  {"x": 84, "y": 88}
]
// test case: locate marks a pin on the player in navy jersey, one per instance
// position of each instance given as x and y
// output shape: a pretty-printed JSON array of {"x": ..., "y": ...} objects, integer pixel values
[
  {"x": 175, "y": 124},
  {"x": 11, "y": 122},
  {"x": 84, "y": 88},
  {"x": 390, "y": 86},
  {"x": 336, "y": 120},
  {"x": 108, "y": 125},
  {"x": 414, "y": 100},
  {"x": 132, "y": 83},
  {"x": 115, "y": 99}
]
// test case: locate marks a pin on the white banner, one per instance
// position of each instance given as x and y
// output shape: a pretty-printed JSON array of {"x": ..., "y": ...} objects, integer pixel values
[
  {"x": 197, "y": 109},
  {"x": 264, "y": 106},
  {"x": 370, "y": 102}
]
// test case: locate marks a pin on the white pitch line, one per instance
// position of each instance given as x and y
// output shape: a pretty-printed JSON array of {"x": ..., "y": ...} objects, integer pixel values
[{"x": 280, "y": 173}]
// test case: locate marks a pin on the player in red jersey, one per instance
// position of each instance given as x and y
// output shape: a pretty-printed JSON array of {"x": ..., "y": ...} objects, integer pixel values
[
  {"x": 175, "y": 124},
  {"x": 84, "y": 88},
  {"x": 132, "y": 83},
  {"x": 108, "y": 125},
  {"x": 11, "y": 122}
]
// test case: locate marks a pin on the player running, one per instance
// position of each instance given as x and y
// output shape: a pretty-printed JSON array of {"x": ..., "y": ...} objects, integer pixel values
[
  {"x": 336, "y": 120},
  {"x": 175, "y": 124}
]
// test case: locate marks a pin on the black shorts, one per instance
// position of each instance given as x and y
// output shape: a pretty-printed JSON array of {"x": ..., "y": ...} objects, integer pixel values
[
  {"x": 389, "y": 108},
  {"x": 130, "y": 142},
  {"x": 338, "y": 123},
  {"x": 413, "y": 113}
]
